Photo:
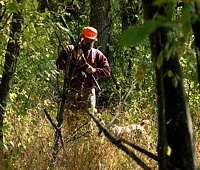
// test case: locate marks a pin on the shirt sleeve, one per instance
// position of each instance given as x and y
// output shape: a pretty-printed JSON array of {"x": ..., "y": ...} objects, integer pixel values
[
  {"x": 62, "y": 59},
  {"x": 103, "y": 69}
]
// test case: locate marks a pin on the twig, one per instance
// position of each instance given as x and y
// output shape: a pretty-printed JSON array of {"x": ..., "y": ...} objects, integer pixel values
[
  {"x": 76, "y": 137},
  {"x": 81, "y": 127},
  {"x": 122, "y": 105}
]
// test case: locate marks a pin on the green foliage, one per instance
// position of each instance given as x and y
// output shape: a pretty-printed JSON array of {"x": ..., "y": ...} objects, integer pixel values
[
  {"x": 135, "y": 34},
  {"x": 37, "y": 83}
]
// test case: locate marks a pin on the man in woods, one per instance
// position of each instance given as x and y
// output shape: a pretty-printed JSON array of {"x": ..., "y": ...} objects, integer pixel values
[{"x": 86, "y": 65}]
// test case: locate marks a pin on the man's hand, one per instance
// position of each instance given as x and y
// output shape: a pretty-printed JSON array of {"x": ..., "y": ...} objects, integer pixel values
[{"x": 90, "y": 69}]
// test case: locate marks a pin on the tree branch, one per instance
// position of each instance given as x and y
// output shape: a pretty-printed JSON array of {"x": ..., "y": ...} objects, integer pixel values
[
  {"x": 117, "y": 142},
  {"x": 149, "y": 154},
  {"x": 57, "y": 136},
  {"x": 122, "y": 105},
  {"x": 50, "y": 120}
]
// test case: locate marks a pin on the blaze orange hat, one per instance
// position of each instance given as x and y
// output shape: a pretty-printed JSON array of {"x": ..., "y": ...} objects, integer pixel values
[{"x": 90, "y": 33}]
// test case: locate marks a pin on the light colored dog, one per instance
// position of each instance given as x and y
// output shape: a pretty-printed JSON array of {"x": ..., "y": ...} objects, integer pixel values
[{"x": 131, "y": 131}]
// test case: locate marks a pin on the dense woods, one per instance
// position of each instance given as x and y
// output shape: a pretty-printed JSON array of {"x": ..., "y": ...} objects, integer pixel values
[{"x": 153, "y": 51}]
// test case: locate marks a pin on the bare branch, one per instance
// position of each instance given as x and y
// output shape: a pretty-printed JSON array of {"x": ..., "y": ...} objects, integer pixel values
[
  {"x": 6, "y": 21},
  {"x": 149, "y": 154},
  {"x": 117, "y": 142},
  {"x": 122, "y": 105},
  {"x": 50, "y": 120}
]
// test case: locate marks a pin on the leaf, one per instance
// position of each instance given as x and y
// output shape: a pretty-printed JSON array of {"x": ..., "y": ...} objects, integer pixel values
[
  {"x": 169, "y": 53},
  {"x": 170, "y": 73},
  {"x": 170, "y": 37},
  {"x": 159, "y": 61},
  {"x": 185, "y": 19},
  {"x": 35, "y": 3},
  {"x": 140, "y": 74},
  {"x": 196, "y": 80},
  {"x": 167, "y": 150},
  {"x": 5, "y": 146},
  {"x": 175, "y": 81},
  {"x": 135, "y": 34},
  {"x": 22, "y": 113},
  {"x": 76, "y": 3}
]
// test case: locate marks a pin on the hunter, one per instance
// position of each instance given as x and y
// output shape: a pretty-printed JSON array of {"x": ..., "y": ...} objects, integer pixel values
[{"x": 86, "y": 66}]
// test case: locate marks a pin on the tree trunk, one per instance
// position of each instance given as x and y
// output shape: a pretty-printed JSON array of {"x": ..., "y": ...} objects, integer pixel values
[
  {"x": 129, "y": 10},
  {"x": 175, "y": 125},
  {"x": 100, "y": 20},
  {"x": 9, "y": 69}
]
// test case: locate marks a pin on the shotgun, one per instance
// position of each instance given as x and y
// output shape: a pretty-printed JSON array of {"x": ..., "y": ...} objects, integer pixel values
[{"x": 74, "y": 43}]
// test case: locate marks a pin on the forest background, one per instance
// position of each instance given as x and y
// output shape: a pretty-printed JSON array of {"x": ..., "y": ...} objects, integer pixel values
[{"x": 35, "y": 84}]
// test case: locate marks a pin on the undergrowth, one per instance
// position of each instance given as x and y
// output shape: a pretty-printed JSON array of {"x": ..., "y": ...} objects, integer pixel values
[{"x": 29, "y": 142}]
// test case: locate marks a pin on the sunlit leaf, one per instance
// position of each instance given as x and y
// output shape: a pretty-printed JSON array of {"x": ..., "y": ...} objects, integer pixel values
[
  {"x": 167, "y": 150},
  {"x": 63, "y": 28},
  {"x": 76, "y": 3},
  {"x": 140, "y": 74},
  {"x": 35, "y": 3}
]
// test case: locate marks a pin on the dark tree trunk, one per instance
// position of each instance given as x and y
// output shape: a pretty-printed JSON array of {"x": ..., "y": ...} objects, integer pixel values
[
  {"x": 42, "y": 5},
  {"x": 100, "y": 20},
  {"x": 9, "y": 69},
  {"x": 175, "y": 125},
  {"x": 129, "y": 11}
]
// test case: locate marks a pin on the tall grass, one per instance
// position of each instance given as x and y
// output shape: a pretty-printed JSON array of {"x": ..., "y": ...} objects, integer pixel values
[{"x": 29, "y": 141}]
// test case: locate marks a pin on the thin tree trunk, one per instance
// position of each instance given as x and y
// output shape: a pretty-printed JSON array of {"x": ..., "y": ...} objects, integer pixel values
[
  {"x": 130, "y": 10},
  {"x": 9, "y": 69}
]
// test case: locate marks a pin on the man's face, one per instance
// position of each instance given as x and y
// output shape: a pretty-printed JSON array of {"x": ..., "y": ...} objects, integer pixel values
[{"x": 87, "y": 42}]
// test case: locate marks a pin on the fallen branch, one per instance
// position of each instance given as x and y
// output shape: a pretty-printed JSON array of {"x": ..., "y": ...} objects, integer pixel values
[
  {"x": 149, "y": 154},
  {"x": 117, "y": 142}
]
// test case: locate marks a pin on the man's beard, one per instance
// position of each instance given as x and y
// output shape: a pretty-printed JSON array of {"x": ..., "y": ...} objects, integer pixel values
[{"x": 87, "y": 46}]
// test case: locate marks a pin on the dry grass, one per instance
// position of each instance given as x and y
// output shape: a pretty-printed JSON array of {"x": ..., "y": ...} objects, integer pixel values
[{"x": 29, "y": 144}]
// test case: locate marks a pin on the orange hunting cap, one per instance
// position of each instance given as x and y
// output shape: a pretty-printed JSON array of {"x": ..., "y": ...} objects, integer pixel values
[{"x": 90, "y": 33}]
